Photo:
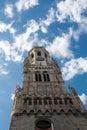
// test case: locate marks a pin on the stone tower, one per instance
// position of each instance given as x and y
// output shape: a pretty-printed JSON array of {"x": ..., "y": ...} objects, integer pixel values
[{"x": 43, "y": 102}]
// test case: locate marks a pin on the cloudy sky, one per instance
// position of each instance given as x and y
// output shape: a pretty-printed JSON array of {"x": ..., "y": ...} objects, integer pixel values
[{"x": 58, "y": 25}]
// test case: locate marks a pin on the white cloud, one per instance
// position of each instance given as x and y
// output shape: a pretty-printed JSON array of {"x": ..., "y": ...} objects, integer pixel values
[
  {"x": 3, "y": 65},
  {"x": 83, "y": 98},
  {"x": 25, "y": 4},
  {"x": 6, "y": 49},
  {"x": 26, "y": 40},
  {"x": 61, "y": 46},
  {"x": 9, "y": 51},
  {"x": 7, "y": 27},
  {"x": 72, "y": 9},
  {"x": 9, "y": 10},
  {"x": 12, "y": 96},
  {"x": 43, "y": 42},
  {"x": 22, "y": 42},
  {"x": 32, "y": 26},
  {"x": 81, "y": 29},
  {"x": 3, "y": 27},
  {"x": 50, "y": 18},
  {"x": 74, "y": 67},
  {"x": 2, "y": 70}
]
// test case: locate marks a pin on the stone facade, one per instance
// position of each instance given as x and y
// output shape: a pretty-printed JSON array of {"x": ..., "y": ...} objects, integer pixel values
[{"x": 43, "y": 102}]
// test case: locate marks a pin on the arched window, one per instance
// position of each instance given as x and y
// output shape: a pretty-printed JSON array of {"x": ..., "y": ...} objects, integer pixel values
[
  {"x": 46, "y": 76},
  {"x": 43, "y": 125},
  {"x": 32, "y": 55},
  {"x": 57, "y": 100},
  {"x": 37, "y": 101},
  {"x": 45, "y": 55},
  {"x": 68, "y": 101},
  {"x": 47, "y": 101},
  {"x": 38, "y": 76},
  {"x": 38, "y": 53},
  {"x": 25, "y": 101},
  {"x": 29, "y": 101}
]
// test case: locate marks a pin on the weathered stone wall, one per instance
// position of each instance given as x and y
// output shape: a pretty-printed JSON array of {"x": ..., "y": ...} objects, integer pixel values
[{"x": 59, "y": 121}]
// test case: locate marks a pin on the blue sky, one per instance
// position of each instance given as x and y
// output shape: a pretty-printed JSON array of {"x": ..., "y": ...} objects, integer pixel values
[{"x": 58, "y": 25}]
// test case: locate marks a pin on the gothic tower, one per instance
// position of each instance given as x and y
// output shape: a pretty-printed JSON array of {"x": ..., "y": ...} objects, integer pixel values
[{"x": 43, "y": 102}]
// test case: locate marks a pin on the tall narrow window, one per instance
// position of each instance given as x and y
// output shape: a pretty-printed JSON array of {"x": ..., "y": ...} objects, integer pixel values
[
  {"x": 46, "y": 76},
  {"x": 57, "y": 100},
  {"x": 47, "y": 101},
  {"x": 37, "y": 101},
  {"x": 29, "y": 101},
  {"x": 38, "y": 76},
  {"x": 68, "y": 101},
  {"x": 32, "y": 55}
]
